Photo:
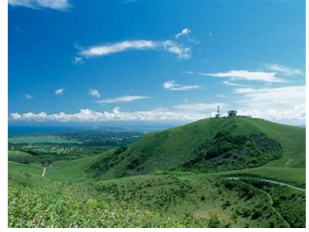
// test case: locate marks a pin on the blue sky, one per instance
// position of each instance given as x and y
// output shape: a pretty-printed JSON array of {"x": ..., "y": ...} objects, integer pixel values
[{"x": 164, "y": 61}]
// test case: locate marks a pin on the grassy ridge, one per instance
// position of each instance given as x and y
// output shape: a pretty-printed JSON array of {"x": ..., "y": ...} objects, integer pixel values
[
  {"x": 31, "y": 169},
  {"x": 21, "y": 157},
  {"x": 75, "y": 170},
  {"x": 163, "y": 150},
  {"x": 172, "y": 148},
  {"x": 18, "y": 154}
]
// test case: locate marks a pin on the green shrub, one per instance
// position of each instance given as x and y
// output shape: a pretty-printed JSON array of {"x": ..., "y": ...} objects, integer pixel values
[
  {"x": 257, "y": 213},
  {"x": 59, "y": 207},
  {"x": 120, "y": 150}
]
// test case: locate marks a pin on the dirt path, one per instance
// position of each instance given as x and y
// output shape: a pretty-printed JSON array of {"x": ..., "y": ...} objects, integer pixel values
[
  {"x": 284, "y": 184},
  {"x": 271, "y": 201},
  {"x": 270, "y": 181}
]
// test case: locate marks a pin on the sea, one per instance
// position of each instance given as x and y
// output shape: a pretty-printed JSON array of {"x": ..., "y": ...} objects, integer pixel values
[
  {"x": 22, "y": 130},
  {"x": 19, "y": 130}
]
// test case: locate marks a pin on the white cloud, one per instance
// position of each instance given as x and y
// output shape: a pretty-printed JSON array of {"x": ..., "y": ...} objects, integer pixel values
[
  {"x": 281, "y": 104},
  {"x": 237, "y": 75},
  {"x": 59, "y": 91},
  {"x": 265, "y": 98},
  {"x": 198, "y": 107},
  {"x": 172, "y": 86},
  {"x": 296, "y": 115},
  {"x": 291, "y": 114},
  {"x": 246, "y": 75},
  {"x": 28, "y": 96},
  {"x": 78, "y": 60},
  {"x": 181, "y": 52},
  {"x": 86, "y": 115},
  {"x": 186, "y": 113},
  {"x": 283, "y": 69},
  {"x": 169, "y": 84},
  {"x": 109, "y": 49},
  {"x": 39, "y": 4},
  {"x": 16, "y": 116},
  {"x": 105, "y": 50},
  {"x": 184, "y": 32},
  {"x": 233, "y": 84},
  {"x": 94, "y": 93},
  {"x": 123, "y": 99}
]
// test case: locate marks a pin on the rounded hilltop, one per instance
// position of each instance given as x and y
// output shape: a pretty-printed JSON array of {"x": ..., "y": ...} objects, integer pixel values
[{"x": 208, "y": 145}]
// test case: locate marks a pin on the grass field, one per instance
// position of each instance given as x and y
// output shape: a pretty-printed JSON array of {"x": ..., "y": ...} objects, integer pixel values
[
  {"x": 73, "y": 171},
  {"x": 18, "y": 154},
  {"x": 32, "y": 169},
  {"x": 24, "y": 174},
  {"x": 39, "y": 139}
]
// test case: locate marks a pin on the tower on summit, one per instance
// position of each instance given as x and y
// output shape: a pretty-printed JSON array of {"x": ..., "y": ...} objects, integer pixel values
[{"x": 218, "y": 112}]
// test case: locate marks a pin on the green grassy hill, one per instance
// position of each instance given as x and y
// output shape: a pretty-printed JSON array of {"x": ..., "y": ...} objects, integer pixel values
[
  {"x": 209, "y": 145},
  {"x": 187, "y": 175},
  {"x": 67, "y": 171},
  {"x": 74, "y": 171},
  {"x": 18, "y": 154}
]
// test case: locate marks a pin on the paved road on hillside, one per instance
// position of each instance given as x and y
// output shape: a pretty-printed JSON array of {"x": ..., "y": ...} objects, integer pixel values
[
  {"x": 271, "y": 181},
  {"x": 44, "y": 170}
]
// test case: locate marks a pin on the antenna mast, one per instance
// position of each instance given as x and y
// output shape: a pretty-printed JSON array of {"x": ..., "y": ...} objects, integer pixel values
[{"x": 218, "y": 112}]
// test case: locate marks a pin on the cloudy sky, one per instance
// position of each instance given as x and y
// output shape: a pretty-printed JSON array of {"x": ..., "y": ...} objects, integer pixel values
[{"x": 163, "y": 61}]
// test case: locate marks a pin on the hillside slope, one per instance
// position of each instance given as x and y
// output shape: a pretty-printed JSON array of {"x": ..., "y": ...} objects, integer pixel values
[{"x": 208, "y": 145}]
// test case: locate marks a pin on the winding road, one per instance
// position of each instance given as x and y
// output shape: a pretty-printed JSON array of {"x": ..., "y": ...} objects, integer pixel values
[
  {"x": 271, "y": 181},
  {"x": 44, "y": 169},
  {"x": 43, "y": 173}
]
